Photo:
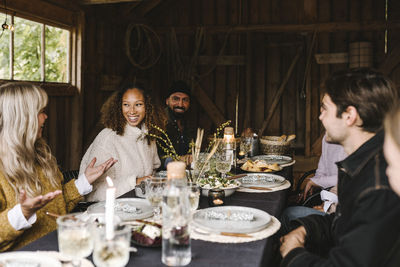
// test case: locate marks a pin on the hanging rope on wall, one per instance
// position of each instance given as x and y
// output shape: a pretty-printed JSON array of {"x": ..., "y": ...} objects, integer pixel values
[{"x": 142, "y": 46}]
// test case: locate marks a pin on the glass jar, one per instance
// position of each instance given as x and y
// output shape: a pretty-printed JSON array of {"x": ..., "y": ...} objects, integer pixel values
[{"x": 216, "y": 197}]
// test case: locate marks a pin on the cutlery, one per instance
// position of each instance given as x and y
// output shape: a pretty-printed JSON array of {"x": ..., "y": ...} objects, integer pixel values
[
  {"x": 237, "y": 176},
  {"x": 51, "y": 214},
  {"x": 202, "y": 232},
  {"x": 259, "y": 188}
]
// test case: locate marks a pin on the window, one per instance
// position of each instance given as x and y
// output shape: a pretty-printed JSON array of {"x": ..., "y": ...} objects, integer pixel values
[{"x": 34, "y": 51}]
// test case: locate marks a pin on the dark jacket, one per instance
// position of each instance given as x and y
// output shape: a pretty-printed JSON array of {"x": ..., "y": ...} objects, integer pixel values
[
  {"x": 180, "y": 139},
  {"x": 365, "y": 227}
]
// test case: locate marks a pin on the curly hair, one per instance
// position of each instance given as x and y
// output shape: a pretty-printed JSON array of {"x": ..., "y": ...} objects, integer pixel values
[{"x": 112, "y": 117}]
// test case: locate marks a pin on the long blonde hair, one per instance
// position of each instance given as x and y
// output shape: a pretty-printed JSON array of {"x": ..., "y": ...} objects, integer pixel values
[{"x": 21, "y": 151}]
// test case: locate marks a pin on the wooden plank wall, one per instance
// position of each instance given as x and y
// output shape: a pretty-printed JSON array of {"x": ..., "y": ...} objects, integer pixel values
[{"x": 267, "y": 58}]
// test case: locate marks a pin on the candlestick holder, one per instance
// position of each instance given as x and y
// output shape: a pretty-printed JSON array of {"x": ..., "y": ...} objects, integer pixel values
[{"x": 216, "y": 197}]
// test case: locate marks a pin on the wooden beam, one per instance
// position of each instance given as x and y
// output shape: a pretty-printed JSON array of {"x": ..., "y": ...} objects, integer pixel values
[
  {"x": 42, "y": 10},
  {"x": 300, "y": 28},
  {"x": 391, "y": 61},
  {"x": 208, "y": 105},
  {"x": 141, "y": 9},
  {"x": 53, "y": 89},
  {"x": 99, "y": 2},
  {"x": 279, "y": 93}
]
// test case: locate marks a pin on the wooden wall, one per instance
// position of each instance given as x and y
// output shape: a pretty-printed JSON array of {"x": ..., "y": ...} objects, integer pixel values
[{"x": 263, "y": 38}]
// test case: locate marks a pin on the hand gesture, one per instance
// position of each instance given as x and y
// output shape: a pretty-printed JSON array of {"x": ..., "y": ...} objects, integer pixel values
[
  {"x": 294, "y": 239},
  {"x": 30, "y": 205},
  {"x": 92, "y": 172}
]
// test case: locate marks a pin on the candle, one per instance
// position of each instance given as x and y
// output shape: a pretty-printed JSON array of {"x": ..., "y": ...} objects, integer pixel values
[{"x": 110, "y": 203}]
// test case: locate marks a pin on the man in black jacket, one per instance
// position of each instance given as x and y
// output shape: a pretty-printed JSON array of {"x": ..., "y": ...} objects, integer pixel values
[{"x": 365, "y": 225}]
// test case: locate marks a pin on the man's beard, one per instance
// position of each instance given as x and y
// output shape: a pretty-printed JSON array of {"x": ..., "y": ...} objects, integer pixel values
[{"x": 179, "y": 115}]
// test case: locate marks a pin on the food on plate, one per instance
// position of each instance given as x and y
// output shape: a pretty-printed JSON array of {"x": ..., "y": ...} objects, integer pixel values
[
  {"x": 216, "y": 182},
  {"x": 148, "y": 234},
  {"x": 260, "y": 166}
]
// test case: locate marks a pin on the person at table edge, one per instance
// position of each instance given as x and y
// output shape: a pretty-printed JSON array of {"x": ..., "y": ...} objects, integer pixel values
[
  {"x": 179, "y": 130},
  {"x": 30, "y": 181},
  {"x": 365, "y": 224}
]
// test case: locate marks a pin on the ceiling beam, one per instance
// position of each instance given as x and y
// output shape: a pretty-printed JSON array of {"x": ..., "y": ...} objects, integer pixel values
[
  {"x": 280, "y": 28},
  {"x": 98, "y": 2}
]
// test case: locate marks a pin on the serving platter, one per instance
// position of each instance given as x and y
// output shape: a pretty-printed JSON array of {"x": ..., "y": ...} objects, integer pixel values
[
  {"x": 283, "y": 161},
  {"x": 225, "y": 219},
  {"x": 262, "y": 180},
  {"x": 19, "y": 258},
  {"x": 144, "y": 209}
]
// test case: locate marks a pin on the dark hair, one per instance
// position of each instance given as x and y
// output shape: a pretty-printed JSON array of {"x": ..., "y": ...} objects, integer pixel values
[
  {"x": 179, "y": 86},
  {"x": 369, "y": 91},
  {"x": 111, "y": 111}
]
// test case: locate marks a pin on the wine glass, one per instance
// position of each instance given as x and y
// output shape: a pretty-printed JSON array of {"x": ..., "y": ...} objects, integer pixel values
[
  {"x": 74, "y": 238},
  {"x": 154, "y": 190},
  {"x": 245, "y": 146},
  {"x": 224, "y": 163}
]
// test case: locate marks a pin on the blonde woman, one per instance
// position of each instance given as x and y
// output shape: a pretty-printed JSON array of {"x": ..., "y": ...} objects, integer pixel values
[{"x": 30, "y": 182}]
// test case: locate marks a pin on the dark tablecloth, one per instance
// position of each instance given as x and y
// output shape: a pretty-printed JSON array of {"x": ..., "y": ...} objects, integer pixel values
[{"x": 257, "y": 253}]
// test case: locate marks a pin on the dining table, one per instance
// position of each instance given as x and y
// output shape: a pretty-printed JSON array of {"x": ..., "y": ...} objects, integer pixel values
[{"x": 255, "y": 253}]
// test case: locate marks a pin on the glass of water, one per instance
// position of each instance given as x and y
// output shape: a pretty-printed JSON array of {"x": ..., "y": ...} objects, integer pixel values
[
  {"x": 223, "y": 163},
  {"x": 154, "y": 190},
  {"x": 245, "y": 146},
  {"x": 112, "y": 252},
  {"x": 74, "y": 238},
  {"x": 194, "y": 196}
]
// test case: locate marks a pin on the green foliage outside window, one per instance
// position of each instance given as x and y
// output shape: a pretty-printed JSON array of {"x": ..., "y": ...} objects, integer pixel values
[{"x": 28, "y": 52}]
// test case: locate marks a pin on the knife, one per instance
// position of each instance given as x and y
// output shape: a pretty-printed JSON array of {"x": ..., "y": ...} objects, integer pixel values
[
  {"x": 235, "y": 234},
  {"x": 203, "y": 232},
  {"x": 236, "y": 176},
  {"x": 259, "y": 188}
]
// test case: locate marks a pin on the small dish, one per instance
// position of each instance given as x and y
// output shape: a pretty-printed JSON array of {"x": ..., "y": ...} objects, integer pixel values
[
  {"x": 228, "y": 190},
  {"x": 147, "y": 235}
]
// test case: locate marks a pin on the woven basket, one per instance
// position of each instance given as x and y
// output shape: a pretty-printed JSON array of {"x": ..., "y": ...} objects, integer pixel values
[{"x": 270, "y": 145}]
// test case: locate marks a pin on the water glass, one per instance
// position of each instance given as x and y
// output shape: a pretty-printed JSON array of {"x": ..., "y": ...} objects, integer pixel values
[
  {"x": 154, "y": 190},
  {"x": 201, "y": 166},
  {"x": 245, "y": 146},
  {"x": 74, "y": 238},
  {"x": 112, "y": 252},
  {"x": 223, "y": 163},
  {"x": 194, "y": 196}
]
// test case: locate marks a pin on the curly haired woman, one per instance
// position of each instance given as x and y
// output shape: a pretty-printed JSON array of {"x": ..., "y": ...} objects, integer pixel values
[
  {"x": 126, "y": 115},
  {"x": 30, "y": 182}
]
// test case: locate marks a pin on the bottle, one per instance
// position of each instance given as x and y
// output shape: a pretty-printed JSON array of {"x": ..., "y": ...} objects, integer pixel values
[
  {"x": 229, "y": 144},
  {"x": 176, "y": 248}
]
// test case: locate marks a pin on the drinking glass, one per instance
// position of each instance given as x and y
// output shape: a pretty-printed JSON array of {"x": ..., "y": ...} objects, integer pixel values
[
  {"x": 74, "y": 238},
  {"x": 112, "y": 252},
  {"x": 245, "y": 146},
  {"x": 154, "y": 190},
  {"x": 224, "y": 163},
  {"x": 201, "y": 165},
  {"x": 194, "y": 196}
]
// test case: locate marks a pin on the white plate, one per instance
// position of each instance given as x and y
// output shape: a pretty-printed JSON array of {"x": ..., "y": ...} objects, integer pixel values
[
  {"x": 283, "y": 161},
  {"x": 143, "y": 204},
  {"x": 30, "y": 257},
  {"x": 262, "y": 180},
  {"x": 260, "y": 221},
  {"x": 228, "y": 190}
]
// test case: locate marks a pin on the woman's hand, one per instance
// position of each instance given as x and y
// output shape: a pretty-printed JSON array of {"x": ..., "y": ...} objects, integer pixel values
[
  {"x": 30, "y": 205},
  {"x": 92, "y": 172}
]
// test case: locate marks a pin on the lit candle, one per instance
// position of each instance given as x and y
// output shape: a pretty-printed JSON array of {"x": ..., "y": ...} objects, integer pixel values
[{"x": 110, "y": 203}]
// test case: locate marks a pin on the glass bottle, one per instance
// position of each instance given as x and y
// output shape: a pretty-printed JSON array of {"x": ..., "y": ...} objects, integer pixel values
[{"x": 176, "y": 247}]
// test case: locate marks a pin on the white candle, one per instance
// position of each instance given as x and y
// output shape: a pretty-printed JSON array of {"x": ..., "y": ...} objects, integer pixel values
[{"x": 110, "y": 203}]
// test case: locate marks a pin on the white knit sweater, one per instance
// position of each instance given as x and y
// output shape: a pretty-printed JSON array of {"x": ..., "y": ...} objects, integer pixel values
[{"x": 135, "y": 159}]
